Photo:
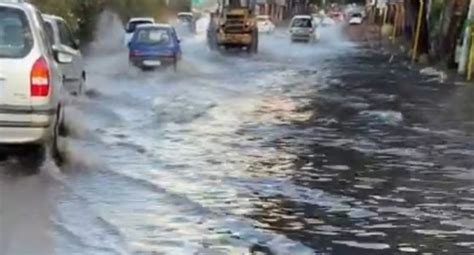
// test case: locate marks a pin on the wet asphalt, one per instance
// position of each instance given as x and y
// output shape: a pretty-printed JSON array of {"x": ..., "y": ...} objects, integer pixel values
[{"x": 302, "y": 149}]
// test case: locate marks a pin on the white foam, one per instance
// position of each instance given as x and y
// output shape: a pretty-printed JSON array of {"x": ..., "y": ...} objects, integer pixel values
[
  {"x": 368, "y": 246},
  {"x": 386, "y": 117}
]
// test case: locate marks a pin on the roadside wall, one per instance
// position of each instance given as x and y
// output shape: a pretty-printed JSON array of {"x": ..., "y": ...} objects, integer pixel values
[{"x": 442, "y": 27}]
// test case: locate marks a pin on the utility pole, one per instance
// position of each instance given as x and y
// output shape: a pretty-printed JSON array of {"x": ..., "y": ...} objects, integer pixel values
[{"x": 467, "y": 37}]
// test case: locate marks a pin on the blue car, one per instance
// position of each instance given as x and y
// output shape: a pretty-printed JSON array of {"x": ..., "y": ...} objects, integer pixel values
[{"x": 153, "y": 46}]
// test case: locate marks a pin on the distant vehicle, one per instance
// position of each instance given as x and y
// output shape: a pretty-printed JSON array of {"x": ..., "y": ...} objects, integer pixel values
[
  {"x": 354, "y": 8},
  {"x": 302, "y": 29},
  {"x": 61, "y": 36},
  {"x": 233, "y": 26},
  {"x": 132, "y": 25},
  {"x": 187, "y": 19},
  {"x": 265, "y": 24},
  {"x": 356, "y": 19},
  {"x": 153, "y": 46},
  {"x": 31, "y": 111}
]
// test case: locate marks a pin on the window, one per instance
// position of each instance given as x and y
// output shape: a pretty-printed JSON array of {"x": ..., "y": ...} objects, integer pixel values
[
  {"x": 185, "y": 18},
  {"x": 302, "y": 23},
  {"x": 44, "y": 34},
  {"x": 50, "y": 32},
  {"x": 133, "y": 25},
  {"x": 16, "y": 40},
  {"x": 153, "y": 36},
  {"x": 65, "y": 35}
]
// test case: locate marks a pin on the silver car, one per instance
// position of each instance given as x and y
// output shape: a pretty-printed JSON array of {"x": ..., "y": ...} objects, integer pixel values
[
  {"x": 31, "y": 111},
  {"x": 61, "y": 36},
  {"x": 302, "y": 29}
]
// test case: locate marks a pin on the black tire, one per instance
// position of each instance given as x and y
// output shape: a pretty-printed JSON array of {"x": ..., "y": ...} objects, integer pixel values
[
  {"x": 82, "y": 85},
  {"x": 212, "y": 39},
  {"x": 222, "y": 48},
  {"x": 175, "y": 65},
  {"x": 80, "y": 88},
  {"x": 62, "y": 128},
  {"x": 254, "y": 46},
  {"x": 59, "y": 130}
]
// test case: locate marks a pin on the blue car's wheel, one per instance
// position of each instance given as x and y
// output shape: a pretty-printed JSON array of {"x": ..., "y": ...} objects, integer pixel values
[{"x": 175, "y": 64}]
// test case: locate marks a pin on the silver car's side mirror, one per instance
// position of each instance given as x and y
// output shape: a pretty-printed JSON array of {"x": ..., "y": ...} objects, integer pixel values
[
  {"x": 77, "y": 42},
  {"x": 62, "y": 56}
]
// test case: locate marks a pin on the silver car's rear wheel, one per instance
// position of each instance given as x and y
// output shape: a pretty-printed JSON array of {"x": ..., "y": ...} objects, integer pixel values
[
  {"x": 82, "y": 85},
  {"x": 59, "y": 130}
]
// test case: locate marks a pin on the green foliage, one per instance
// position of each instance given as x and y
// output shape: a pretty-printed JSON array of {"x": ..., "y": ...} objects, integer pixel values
[
  {"x": 437, "y": 7},
  {"x": 82, "y": 15},
  {"x": 131, "y": 8}
]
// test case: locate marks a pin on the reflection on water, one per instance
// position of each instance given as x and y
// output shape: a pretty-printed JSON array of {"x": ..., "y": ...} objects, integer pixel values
[
  {"x": 285, "y": 161},
  {"x": 371, "y": 179}
]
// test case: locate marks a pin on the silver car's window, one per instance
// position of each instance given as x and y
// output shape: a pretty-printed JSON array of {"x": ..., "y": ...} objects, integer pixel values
[
  {"x": 302, "y": 23},
  {"x": 16, "y": 40},
  {"x": 48, "y": 27},
  {"x": 44, "y": 34},
  {"x": 159, "y": 36},
  {"x": 65, "y": 35}
]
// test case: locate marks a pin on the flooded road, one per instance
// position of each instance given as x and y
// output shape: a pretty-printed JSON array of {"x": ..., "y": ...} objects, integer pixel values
[{"x": 321, "y": 149}]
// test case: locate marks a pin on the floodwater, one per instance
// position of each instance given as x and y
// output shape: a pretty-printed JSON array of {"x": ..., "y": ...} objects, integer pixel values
[{"x": 302, "y": 149}]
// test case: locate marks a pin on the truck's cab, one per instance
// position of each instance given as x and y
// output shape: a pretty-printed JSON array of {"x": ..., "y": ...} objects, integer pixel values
[{"x": 235, "y": 25}]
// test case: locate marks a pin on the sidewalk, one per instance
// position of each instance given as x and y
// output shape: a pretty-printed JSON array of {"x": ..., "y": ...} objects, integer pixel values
[{"x": 370, "y": 36}]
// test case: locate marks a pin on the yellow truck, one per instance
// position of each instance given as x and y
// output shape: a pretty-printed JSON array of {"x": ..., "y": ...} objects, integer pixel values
[{"x": 234, "y": 25}]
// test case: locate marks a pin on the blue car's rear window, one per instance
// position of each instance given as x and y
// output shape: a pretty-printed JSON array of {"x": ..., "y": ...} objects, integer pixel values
[{"x": 156, "y": 36}]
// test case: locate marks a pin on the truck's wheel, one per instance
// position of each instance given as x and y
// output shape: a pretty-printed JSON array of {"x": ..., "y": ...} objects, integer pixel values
[
  {"x": 212, "y": 39},
  {"x": 254, "y": 45},
  {"x": 175, "y": 65},
  {"x": 80, "y": 88},
  {"x": 210, "y": 44},
  {"x": 222, "y": 48}
]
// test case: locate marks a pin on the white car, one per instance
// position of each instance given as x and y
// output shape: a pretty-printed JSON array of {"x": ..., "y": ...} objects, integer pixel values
[
  {"x": 132, "y": 25},
  {"x": 62, "y": 37},
  {"x": 356, "y": 19},
  {"x": 265, "y": 24},
  {"x": 31, "y": 84},
  {"x": 187, "y": 19},
  {"x": 302, "y": 29}
]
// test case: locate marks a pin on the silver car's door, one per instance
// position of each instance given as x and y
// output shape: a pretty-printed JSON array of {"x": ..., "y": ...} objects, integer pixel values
[{"x": 68, "y": 43}]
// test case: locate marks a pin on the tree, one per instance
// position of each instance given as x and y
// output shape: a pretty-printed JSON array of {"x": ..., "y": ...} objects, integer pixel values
[{"x": 81, "y": 15}]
